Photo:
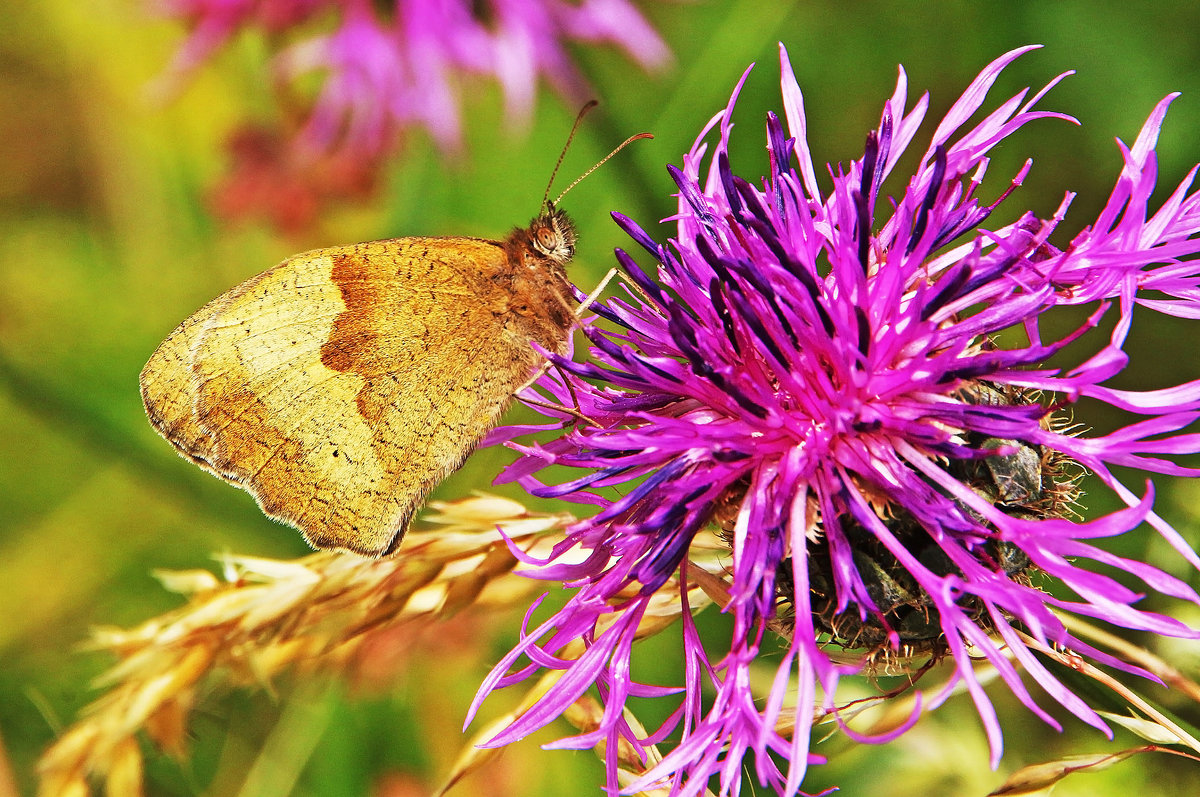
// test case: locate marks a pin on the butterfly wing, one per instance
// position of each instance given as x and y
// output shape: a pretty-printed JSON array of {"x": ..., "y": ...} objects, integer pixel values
[
  {"x": 341, "y": 385},
  {"x": 166, "y": 383}
]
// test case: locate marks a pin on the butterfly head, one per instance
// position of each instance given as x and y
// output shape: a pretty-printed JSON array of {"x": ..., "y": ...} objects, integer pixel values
[{"x": 552, "y": 234}]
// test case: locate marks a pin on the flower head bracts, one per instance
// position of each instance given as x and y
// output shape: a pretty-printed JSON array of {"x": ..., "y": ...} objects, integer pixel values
[{"x": 817, "y": 375}]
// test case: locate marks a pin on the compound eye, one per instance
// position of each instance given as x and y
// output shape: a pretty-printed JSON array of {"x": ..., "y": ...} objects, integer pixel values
[{"x": 547, "y": 239}]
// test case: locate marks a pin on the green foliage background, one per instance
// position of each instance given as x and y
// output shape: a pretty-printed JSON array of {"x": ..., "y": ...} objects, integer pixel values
[{"x": 106, "y": 244}]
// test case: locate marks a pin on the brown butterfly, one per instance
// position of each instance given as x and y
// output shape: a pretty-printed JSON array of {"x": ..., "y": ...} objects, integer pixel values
[{"x": 341, "y": 385}]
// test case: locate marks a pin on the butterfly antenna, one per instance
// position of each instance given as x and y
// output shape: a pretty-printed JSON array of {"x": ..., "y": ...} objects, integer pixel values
[
  {"x": 603, "y": 160},
  {"x": 575, "y": 127}
]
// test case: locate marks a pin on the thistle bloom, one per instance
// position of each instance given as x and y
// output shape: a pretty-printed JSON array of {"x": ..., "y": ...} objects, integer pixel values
[{"x": 854, "y": 394}]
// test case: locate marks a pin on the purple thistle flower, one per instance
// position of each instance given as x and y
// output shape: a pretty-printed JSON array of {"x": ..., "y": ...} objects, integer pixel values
[{"x": 819, "y": 377}]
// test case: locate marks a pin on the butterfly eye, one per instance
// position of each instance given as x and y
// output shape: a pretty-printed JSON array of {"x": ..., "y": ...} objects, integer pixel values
[{"x": 547, "y": 239}]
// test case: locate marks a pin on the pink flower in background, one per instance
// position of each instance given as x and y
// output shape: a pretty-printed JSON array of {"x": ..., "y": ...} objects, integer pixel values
[
  {"x": 212, "y": 23},
  {"x": 851, "y": 388},
  {"x": 367, "y": 88},
  {"x": 385, "y": 67},
  {"x": 381, "y": 69}
]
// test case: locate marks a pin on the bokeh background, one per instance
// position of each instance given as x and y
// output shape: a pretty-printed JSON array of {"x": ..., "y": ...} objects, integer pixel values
[{"x": 108, "y": 240}]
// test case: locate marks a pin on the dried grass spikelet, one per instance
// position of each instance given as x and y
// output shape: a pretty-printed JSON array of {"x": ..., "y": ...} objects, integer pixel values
[{"x": 268, "y": 615}]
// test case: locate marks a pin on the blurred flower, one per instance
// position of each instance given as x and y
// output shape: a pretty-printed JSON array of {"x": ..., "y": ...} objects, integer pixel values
[
  {"x": 270, "y": 180},
  {"x": 856, "y": 394},
  {"x": 214, "y": 22},
  {"x": 385, "y": 67}
]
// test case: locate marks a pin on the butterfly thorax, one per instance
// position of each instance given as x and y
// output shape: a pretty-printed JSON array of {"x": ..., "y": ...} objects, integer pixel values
[{"x": 542, "y": 297}]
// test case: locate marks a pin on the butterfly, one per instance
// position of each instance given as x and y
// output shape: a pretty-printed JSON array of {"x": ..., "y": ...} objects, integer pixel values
[{"x": 343, "y": 384}]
